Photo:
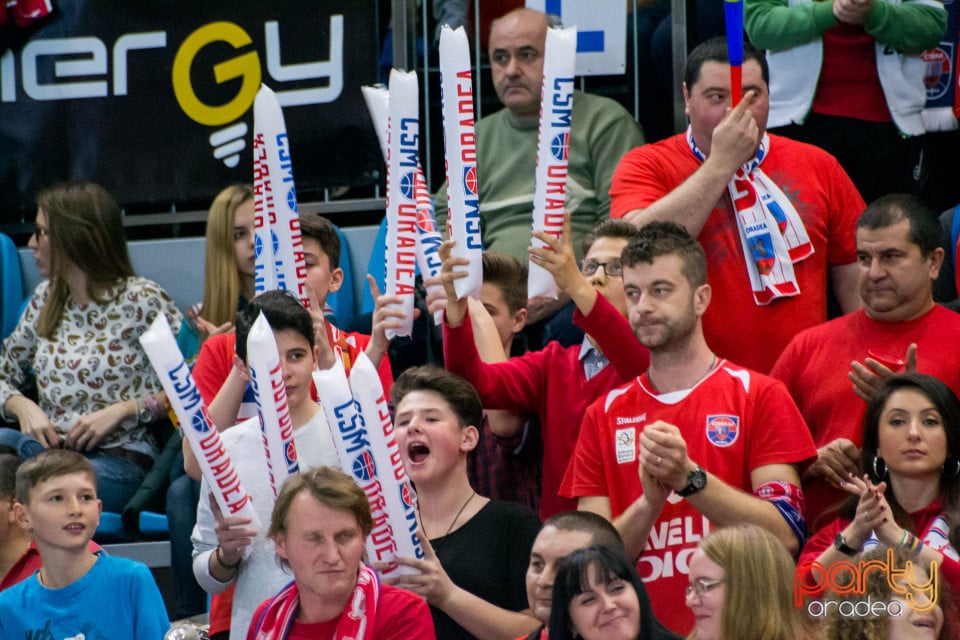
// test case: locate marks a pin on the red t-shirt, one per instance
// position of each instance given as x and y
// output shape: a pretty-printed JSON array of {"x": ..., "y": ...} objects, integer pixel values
[
  {"x": 29, "y": 563},
  {"x": 826, "y": 200},
  {"x": 216, "y": 359},
  {"x": 815, "y": 364},
  {"x": 401, "y": 615},
  {"x": 849, "y": 85},
  {"x": 733, "y": 421}
]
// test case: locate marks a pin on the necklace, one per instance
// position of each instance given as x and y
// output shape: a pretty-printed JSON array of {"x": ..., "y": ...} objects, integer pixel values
[
  {"x": 455, "y": 518},
  {"x": 713, "y": 363}
]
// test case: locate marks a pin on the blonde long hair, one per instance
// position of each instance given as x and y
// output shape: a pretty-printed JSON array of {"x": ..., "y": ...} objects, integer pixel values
[
  {"x": 85, "y": 231},
  {"x": 758, "y": 576},
  {"x": 221, "y": 281}
]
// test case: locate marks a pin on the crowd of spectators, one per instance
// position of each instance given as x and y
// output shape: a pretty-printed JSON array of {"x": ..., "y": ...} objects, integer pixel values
[{"x": 743, "y": 399}]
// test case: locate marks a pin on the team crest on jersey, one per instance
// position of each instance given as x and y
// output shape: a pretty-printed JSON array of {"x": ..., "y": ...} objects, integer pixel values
[
  {"x": 722, "y": 430},
  {"x": 625, "y": 444}
]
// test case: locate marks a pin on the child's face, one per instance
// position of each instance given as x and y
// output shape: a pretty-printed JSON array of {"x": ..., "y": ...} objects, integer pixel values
[
  {"x": 507, "y": 322},
  {"x": 320, "y": 276},
  {"x": 297, "y": 360},
  {"x": 243, "y": 238},
  {"x": 430, "y": 438},
  {"x": 64, "y": 511},
  {"x": 605, "y": 249}
]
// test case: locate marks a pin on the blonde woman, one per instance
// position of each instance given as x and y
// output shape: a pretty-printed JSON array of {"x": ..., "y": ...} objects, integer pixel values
[
  {"x": 229, "y": 268},
  {"x": 736, "y": 574}
]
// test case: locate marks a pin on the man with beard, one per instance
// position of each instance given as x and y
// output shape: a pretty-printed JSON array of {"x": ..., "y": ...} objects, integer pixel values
[{"x": 695, "y": 442}]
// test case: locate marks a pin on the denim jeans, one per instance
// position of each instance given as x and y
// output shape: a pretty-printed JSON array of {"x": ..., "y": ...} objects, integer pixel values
[
  {"x": 183, "y": 494},
  {"x": 24, "y": 445},
  {"x": 117, "y": 478}
]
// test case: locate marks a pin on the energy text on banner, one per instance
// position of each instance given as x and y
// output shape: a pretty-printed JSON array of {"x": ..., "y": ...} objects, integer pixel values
[
  {"x": 215, "y": 464},
  {"x": 273, "y": 174},
  {"x": 553, "y": 145},
  {"x": 459, "y": 141},
  {"x": 276, "y": 424},
  {"x": 402, "y": 163},
  {"x": 350, "y": 437},
  {"x": 428, "y": 233},
  {"x": 399, "y": 496}
]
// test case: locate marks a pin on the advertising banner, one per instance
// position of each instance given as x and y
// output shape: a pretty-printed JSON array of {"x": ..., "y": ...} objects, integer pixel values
[{"x": 155, "y": 100}]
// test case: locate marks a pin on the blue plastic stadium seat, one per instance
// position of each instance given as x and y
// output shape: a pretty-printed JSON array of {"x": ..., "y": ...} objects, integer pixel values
[
  {"x": 342, "y": 301},
  {"x": 377, "y": 267},
  {"x": 111, "y": 527},
  {"x": 11, "y": 289},
  {"x": 154, "y": 524}
]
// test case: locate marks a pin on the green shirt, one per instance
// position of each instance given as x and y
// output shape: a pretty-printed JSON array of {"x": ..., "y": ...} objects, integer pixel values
[
  {"x": 601, "y": 132},
  {"x": 909, "y": 27}
]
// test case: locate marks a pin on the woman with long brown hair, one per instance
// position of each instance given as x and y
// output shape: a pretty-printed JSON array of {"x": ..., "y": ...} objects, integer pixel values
[
  {"x": 97, "y": 391},
  {"x": 910, "y": 496}
]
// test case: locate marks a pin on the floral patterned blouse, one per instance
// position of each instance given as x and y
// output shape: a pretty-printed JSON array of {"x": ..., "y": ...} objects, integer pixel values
[{"x": 93, "y": 360}]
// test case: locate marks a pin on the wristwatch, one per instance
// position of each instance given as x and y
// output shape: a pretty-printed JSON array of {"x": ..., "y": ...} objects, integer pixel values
[
  {"x": 144, "y": 414},
  {"x": 841, "y": 545},
  {"x": 696, "y": 481}
]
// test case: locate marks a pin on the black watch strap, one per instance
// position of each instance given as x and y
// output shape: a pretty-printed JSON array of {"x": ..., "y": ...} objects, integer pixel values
[
  {"x": 696, "y": 481},
  {"x": 841, "y": 545}
]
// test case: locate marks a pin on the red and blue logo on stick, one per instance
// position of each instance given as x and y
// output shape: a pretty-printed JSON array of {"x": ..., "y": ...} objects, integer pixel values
[{"x": 733, "y": 12}]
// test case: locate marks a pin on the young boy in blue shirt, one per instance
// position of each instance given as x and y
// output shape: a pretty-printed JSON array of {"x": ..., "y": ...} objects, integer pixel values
[{"x": 76, "y": 593}]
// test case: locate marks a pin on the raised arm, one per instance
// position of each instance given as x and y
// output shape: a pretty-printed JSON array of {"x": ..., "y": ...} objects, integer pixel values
[
  {"x": 385, "y": 316},
  {"x": 734, "y": 142},
  {"x": 559, "y": 259},
  {"x": 504, "y": 423}
]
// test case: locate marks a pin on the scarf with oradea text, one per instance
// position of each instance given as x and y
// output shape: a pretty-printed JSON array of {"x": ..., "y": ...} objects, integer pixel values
[
  {"x": 771, "y": 231},
  {"x": 356, "y": 622}
]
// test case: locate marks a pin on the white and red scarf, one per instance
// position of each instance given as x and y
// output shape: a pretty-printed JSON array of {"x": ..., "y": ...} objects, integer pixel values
[
  {"x": 771, "y": 231},
  {"x": 356, "y": 622}
]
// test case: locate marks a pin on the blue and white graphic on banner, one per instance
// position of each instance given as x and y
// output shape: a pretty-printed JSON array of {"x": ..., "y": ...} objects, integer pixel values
[{"x": 601, "y": 32}]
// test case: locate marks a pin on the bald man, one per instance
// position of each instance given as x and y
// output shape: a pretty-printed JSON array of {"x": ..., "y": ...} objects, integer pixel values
[{"x": 601, "y": 132}]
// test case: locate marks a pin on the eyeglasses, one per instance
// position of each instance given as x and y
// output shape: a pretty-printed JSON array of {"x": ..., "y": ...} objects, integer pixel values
[
  {"x": 701, "y": 586},
  {"x": 612, "y": 267},
  {"x": 40, "y": 231}
]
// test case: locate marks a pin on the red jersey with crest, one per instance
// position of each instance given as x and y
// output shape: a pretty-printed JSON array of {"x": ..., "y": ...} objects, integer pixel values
[{"x": 733, "y": 421}]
